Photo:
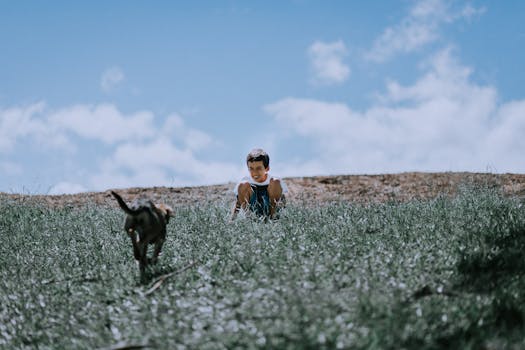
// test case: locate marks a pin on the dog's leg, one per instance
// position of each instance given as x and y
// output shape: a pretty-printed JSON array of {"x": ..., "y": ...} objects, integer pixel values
[
  {"x": 133, "y": 236},
  {"x": 143, "y": 251},
  {"x": 156, "y": 252}
]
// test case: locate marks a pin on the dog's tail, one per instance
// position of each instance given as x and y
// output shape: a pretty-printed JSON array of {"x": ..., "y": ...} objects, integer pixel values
[{"x": 123, "y": 204}]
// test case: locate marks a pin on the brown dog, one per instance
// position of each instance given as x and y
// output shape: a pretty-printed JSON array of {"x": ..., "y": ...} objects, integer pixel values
[{"x": 145, "y": 224}]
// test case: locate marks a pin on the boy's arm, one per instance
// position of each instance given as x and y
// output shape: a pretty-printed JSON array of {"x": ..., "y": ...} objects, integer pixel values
[
  {"x": 236, "y": 205},
  {"x": 235, "y": 210},
  {"x": 284, "y": 186}
]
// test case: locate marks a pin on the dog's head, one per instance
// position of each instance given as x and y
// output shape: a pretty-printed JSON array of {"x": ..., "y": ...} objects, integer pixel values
[{"x": 165, "y": 211}]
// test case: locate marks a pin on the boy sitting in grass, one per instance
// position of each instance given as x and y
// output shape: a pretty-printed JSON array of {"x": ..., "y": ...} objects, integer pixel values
[{"x": 260, "y": 193}]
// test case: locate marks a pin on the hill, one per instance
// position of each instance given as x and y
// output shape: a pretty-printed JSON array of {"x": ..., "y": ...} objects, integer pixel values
[{"x": 309, "y": 190}]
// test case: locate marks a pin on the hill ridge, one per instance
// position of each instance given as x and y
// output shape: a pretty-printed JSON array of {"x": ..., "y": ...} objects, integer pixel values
[{"x": 360, "y": 188}]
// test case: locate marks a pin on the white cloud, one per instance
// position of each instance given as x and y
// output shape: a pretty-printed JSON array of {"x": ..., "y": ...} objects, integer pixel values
[
  {"x": 445, "y": 77},
  {"x": 103, "y": 122},
  {"x": 443, "y": 121},
  {"x": 420, "y": 27},
  {"x": 192, "y": 139},
  {"x": 157, "y": 153},
  {"x": 159, "y": 163},
  {"x": 28, "y": 122},
  {"x": 142, "y": 151},
  {"x": 312, "y": 167},
  {"x": 55, "y": 129},
  {"x": 504, "y": 141},
  {"x": 66, "y": 188},
  {"x": 309, "y": 117},
  {"x": 326, "y": 60},
  {"x": 470, "y": 11},
  {"x": 111, "y": 78}
]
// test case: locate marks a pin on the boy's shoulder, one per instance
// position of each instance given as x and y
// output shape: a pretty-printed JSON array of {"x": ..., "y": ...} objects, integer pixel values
[
  {"x": 252, "y": 182},
  {"x": 264, "y": 183}
]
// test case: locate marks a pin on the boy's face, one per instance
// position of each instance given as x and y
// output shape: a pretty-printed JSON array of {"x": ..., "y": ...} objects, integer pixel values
[{"x": 258, "y": 171}]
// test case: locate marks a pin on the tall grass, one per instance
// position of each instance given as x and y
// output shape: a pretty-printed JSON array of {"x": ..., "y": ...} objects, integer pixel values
[{"x": 443, "y": 273}]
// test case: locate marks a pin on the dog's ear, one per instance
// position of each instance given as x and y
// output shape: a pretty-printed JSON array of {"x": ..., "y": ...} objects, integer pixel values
[
  {"x": 169, "y": 213},
  {"x": 166, "y": 210}
]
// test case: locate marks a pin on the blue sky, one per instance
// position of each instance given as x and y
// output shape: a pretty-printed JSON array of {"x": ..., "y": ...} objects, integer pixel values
[{"x": 113, "y": 94}]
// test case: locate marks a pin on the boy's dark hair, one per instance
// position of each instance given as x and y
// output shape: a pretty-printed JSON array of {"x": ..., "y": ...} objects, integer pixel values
[{"x": 258, "y": 154}]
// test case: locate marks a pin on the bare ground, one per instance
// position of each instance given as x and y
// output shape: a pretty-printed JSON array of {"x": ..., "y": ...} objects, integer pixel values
[{"x": 306, "y": 190}]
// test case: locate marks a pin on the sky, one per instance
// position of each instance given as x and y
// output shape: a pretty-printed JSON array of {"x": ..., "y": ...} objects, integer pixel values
[{"x": 99, "y": 95}]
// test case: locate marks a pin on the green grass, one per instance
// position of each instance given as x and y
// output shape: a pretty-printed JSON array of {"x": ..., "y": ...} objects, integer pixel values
[{"x": 444, "y": 273}]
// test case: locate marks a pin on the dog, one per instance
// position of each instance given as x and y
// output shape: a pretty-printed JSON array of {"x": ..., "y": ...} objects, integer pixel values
[{"x": 145, "y": 224}]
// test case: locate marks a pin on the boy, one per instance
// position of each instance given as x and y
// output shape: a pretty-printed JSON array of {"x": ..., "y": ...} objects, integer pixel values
[{"x": 260, "y": 192}]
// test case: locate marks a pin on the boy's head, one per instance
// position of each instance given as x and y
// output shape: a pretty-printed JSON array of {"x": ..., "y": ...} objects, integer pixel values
[
  {"x": 258, "y": 163},
  {"x": 257, "y": 155}
]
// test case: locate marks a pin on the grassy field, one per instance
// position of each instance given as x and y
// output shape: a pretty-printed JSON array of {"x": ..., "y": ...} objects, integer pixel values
[{"x": 444, "y": 273}]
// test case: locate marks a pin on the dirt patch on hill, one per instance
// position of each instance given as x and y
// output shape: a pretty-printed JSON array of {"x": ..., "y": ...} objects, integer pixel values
[{"x": 307, "y": 190}]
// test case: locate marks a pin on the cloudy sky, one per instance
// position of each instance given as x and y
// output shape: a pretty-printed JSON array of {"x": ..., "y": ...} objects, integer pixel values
[{"x": 113, "y": 94}]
